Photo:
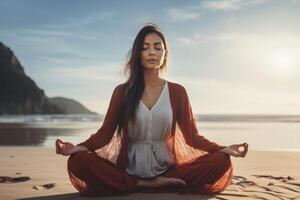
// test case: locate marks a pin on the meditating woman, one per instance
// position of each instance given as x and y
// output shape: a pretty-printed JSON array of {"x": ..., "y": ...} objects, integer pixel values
[{"x": 149, "y": 140}]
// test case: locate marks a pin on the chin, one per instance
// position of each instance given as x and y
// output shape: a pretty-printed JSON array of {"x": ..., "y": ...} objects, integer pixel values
[{"x": 151, "y": 67}]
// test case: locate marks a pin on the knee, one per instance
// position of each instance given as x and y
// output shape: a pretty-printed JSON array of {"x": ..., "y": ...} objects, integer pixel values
[
  {"x": 77, "y": 161},
  {"x": 222, "y": 158}
]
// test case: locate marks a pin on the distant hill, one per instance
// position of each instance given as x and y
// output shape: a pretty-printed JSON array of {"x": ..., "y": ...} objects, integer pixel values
[
  {"x": 20, "y": 95},
  {"x": 69, "y": 105}
]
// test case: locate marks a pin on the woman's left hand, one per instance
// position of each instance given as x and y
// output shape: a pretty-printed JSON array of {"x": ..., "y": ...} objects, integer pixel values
[{"x": 236, "y": 150}]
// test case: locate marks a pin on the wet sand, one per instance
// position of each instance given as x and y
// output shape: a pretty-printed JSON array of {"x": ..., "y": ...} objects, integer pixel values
[{"x": 43, "y": 166}]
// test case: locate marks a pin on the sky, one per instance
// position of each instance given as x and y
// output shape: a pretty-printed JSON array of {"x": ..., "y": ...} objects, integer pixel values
[{"x": 232, "y": 56}]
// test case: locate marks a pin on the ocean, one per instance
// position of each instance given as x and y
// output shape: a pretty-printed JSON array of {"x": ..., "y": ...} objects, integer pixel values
[{"x": 261, "y": 132}]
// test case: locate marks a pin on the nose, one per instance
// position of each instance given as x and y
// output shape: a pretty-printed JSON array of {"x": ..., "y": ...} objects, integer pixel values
[{"x": 151, "y": 51}]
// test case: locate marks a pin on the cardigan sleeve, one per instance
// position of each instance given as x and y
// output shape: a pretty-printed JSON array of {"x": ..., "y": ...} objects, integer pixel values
[
  {"x": 104, "y": 135},
  {"x": 187, "y": 125}
]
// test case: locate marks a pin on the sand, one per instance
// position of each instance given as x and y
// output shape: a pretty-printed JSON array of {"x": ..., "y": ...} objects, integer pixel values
[{"x": 43, "y": 166}]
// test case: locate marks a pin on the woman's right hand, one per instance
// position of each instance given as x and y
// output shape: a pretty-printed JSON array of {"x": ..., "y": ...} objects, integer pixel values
[{"x": 63, "y": 148}]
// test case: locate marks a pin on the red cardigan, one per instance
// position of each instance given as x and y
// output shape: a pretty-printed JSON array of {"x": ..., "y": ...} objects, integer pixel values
[{"x": 185, "y": 140}]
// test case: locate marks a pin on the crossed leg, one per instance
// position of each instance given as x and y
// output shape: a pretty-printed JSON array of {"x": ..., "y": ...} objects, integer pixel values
[
  {"x": 92, "y": 175},
  {"x": 210, "y": 173}
]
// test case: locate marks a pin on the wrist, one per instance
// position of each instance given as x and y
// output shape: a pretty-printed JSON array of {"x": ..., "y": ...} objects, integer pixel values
[
  {"x": 225, "y": 150},
  {"x": 82, "y": 148},
  {"x": 76, "y": 149}
]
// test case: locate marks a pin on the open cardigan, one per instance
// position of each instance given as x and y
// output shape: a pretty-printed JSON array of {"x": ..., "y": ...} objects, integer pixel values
[{"x": 185, "y": 141}]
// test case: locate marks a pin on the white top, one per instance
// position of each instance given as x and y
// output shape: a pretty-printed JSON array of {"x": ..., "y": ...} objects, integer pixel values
[{"x": 148, "y": 152}]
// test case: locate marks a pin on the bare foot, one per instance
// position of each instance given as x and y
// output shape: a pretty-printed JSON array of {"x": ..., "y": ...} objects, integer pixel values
[
  {"x": 164, "y": 181},
  {"x": 161, "y": 181}
]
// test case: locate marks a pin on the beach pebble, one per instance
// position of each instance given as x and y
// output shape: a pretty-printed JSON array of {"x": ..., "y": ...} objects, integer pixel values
[
  {"x": 7, "y": 179},
  {"x": 44, "y": 187}
]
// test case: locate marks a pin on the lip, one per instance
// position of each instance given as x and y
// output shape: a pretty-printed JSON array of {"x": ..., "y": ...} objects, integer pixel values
[{"x": 152, "y": 60}]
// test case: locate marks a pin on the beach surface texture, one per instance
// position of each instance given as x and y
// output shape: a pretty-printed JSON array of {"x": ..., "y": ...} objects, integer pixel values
[{"x": 260, "y": 175}]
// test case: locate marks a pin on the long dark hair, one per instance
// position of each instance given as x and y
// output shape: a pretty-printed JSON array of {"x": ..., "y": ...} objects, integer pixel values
[{"x": 134, "y": 86}]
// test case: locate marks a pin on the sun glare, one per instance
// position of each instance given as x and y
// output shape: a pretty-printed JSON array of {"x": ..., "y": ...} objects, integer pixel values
[{"x": 282, "y": 62}]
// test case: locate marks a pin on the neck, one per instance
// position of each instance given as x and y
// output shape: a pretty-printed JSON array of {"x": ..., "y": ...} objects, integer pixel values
[{"x": 152, "y": 78}]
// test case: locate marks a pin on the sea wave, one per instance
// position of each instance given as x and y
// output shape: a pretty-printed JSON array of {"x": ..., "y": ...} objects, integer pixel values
[{"x": 24, "y": 119}]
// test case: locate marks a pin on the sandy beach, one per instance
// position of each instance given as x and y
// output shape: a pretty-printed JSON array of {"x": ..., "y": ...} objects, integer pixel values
[{"x": 261, "y": 175}]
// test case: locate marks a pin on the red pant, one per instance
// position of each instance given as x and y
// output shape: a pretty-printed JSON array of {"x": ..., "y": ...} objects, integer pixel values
[{"x": 92, "y": 175}]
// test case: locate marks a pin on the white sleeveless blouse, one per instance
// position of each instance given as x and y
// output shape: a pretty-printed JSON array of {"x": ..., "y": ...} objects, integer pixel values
[{"x": 148, "y": 153}]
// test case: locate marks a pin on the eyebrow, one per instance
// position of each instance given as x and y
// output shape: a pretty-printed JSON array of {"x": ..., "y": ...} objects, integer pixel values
[{"x": 154, "y": 43}]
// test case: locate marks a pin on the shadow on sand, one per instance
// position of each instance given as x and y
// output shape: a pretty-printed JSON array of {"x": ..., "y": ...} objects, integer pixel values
[{"x": 134, "y": 196}]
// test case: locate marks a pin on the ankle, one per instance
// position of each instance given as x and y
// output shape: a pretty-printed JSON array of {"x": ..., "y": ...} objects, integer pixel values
[{"x": 145, "y": 183}]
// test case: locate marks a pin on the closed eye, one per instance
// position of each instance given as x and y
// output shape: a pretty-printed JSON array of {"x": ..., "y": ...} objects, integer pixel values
[{"x": 157, "y": 48}]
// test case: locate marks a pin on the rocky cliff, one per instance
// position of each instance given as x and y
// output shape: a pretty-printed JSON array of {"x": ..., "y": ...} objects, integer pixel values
[{"x": 20, "y": 95}]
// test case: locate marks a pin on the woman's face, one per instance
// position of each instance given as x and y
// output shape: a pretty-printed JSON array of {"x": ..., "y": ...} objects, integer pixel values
[{"x": 153, "y": 53}]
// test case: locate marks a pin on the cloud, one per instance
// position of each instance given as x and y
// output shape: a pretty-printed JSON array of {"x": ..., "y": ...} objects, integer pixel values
[
  {"x": 100, "y": 72},
  {"x": 54, "y": 45},
  {"x": 263, "y": 59},
  {"x": 178, "y": 14},
  {"x": 74, "y": 22},
  {"x": 223, "y": 96},
  {"x": 228, "y": 5},
  {"x": 46, "y": 33},
  {"x": 205, "y": 38},
  {"x": 193, "y": 12}
]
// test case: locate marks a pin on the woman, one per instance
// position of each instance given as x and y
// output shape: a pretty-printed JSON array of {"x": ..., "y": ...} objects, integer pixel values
[{"x": 157, "y": 146}]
